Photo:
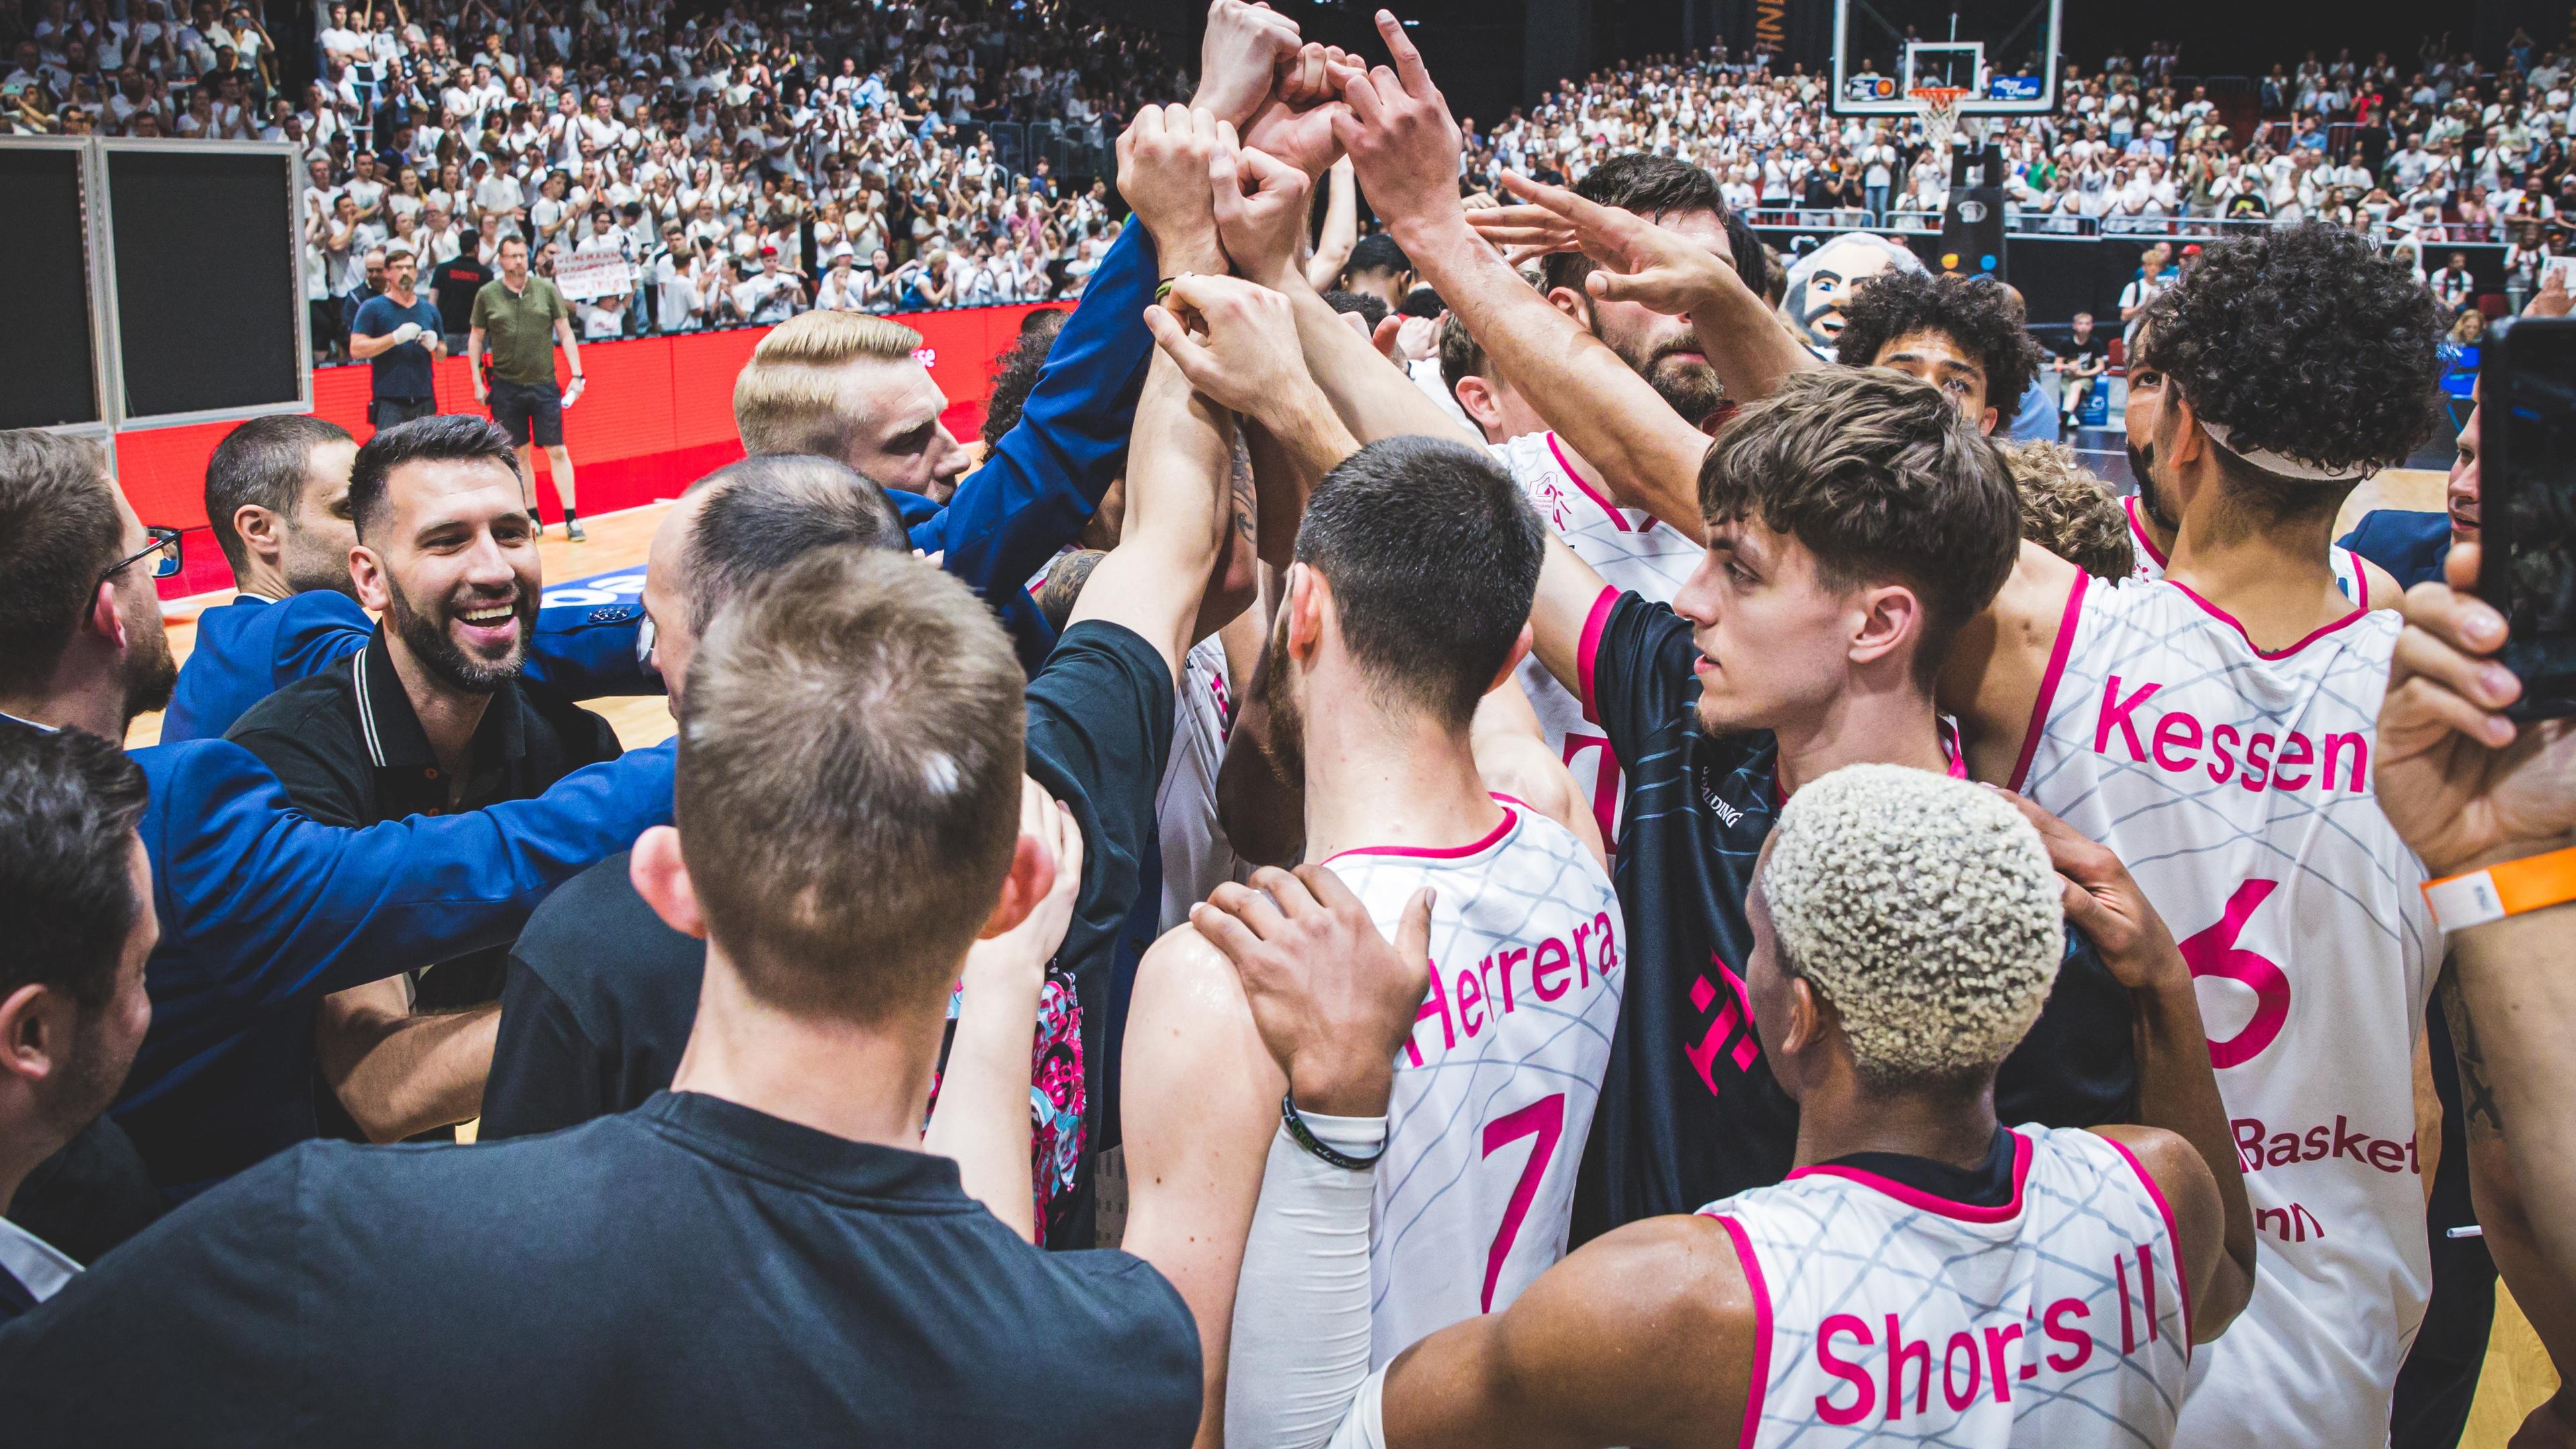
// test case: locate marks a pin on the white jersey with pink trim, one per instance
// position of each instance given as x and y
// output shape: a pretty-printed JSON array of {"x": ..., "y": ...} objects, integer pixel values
[
  {"x": 2149, "y": 565},
  {"x": 2058, "y": 1320},
  {"x": 2236, "y": 785},
  {"x": 1494, "y": 1093},
  {"x": 1632, "y": 551}
]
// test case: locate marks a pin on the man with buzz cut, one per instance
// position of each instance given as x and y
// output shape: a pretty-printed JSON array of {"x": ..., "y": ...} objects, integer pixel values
[
  {"x": 1926, "y": 1275},
  {"x": 852, "y": 821}
]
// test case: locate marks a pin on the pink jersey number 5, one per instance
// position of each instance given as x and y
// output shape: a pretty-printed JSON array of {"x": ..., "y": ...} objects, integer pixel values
[{"x": 1544, "y": 1119}]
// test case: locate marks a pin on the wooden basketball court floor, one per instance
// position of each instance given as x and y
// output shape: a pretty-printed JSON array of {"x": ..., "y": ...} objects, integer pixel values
[{"x": 2518, "y": 1374}]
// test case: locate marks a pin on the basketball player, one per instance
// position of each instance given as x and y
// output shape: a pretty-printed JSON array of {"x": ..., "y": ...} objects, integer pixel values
[
  {"x": 1963, "y": 335},
  {"x": 1629, "y": 547},
  {"x": 2152, "y": 527},
  {"x": 2291, "y": 673},
  {"x": 2217, "y": 728},
  {"x": 1413, "y": 573},
  {"x": 1927, "y": 1276},
  {"x": 1864, "y": 523}
]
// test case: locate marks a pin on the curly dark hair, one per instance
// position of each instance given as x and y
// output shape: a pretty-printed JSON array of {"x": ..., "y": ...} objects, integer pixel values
[
  {"x": 1975, "y": 312},
  {"x": 2303, "y": 341}
]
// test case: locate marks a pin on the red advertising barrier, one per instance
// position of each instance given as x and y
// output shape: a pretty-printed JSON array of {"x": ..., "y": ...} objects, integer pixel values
[{"x": 657, "y": 413}]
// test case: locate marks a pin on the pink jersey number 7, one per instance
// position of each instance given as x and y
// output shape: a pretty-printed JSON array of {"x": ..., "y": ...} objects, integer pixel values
[{"x": 1545, "y": 1119}]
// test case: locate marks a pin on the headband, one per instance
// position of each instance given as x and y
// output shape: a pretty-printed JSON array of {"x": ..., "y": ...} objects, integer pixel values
[{"x": 2284, "y": 464}]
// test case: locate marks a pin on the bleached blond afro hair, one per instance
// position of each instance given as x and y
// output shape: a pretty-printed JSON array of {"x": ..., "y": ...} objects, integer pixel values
[{"x": 1924, "y": 908}]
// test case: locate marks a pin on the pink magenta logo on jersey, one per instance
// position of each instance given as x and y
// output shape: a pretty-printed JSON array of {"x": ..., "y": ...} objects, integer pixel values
[
  {"x": 1738, "y": 1011},
  {"x": 2214, "y": 952}
]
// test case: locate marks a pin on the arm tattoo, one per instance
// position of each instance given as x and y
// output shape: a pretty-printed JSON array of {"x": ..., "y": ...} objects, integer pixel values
[{"x": 2477, "y": 1097}]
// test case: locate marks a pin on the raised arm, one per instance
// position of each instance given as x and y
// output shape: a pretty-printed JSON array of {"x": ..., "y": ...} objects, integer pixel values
[
  {"x": 1045, "y": 476},
  {"x": 1261, "y": 208},
  {"x": 2468, "y": 789},
  {"x": 1182, "y": 463},
  {"x": 982, "y": 1116},
  {"x": 1341, "y": 228},
  {"x": 1654, "y": 267},
  {"x": 1405, "y": 149}
]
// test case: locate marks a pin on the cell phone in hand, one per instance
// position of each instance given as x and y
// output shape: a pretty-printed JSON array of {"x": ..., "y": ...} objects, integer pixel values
[{"x": 2527, "y": 506}]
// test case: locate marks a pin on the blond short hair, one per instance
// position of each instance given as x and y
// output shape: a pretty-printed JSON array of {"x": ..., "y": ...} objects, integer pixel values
[
  {"x": 1925, "y": 910},
  {"x": 789, "y": 396},
  {"x": 848, "y": 792},
  {"x": 2068, "y": 511}
]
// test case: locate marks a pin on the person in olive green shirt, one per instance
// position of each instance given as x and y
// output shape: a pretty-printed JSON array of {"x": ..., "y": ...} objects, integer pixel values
[{"x": 523, "y": 317}]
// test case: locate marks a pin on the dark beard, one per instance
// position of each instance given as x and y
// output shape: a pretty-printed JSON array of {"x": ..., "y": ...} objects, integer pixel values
[
  {"x": 1284, "y": 743},
  {"x": 151, "y": 675},
  {"x": 89, "y": 1081},
  {"x": 1694, "y": 393},
  {"x": 431, "y": 645},
  {"x": 2142, "y": 461}
]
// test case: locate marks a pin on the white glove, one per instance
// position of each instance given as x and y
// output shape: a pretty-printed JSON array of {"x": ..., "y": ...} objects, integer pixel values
[{"x": 408, "y": 332}]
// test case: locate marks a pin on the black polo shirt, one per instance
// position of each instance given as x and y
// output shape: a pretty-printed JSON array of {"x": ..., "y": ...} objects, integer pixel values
[
  {"x": 602, "y": 995},
  {"x": 349, "y": 749},
  {"x": 693, "y": 1272}
]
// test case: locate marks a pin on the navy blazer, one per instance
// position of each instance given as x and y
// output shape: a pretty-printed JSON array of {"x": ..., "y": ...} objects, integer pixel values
[{"x": 263, "y": 911}]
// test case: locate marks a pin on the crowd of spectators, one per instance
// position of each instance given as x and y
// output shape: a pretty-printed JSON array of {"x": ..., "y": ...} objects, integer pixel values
[
  {"x": 780, "y": 157},
  {"x": 2446, "y": 151}
]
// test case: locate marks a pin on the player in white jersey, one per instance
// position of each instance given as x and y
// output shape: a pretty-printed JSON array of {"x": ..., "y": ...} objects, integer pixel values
[
  {"x": 2216, "y": 730},
  {"x": 1925, "y": 1277},
  {"x": 1495, "y": 1089},
  {"x": 1414, "y": 567},
  {"x": 2356, "y": 392},
  {"x": 2351, "y": 571},
  {"x": 1631, "y": 549},
  {"x": 1197, "y": 856}
]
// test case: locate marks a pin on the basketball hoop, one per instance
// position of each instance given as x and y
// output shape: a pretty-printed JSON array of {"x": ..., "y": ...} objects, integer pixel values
[{"x": 1939, "y": 108}]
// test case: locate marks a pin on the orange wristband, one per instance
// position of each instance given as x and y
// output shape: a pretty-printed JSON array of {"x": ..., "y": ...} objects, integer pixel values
[{"x": 2475, "y": 897}]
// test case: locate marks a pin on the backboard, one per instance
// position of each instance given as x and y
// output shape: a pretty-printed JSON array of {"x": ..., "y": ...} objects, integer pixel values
[{"x": 2003, "y": 53}]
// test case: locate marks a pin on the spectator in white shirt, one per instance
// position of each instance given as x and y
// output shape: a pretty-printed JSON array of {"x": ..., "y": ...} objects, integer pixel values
[{"x": 2452, "y": 285}]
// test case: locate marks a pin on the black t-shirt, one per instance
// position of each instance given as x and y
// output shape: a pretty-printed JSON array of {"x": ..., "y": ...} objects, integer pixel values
[
  {"x": 2092, "y": 353},
  {"x": 602, "y": 994},
  {"x": 1689, "y": 1111},
  {"x": 692, "y": 1272},
  {"x": 596, "y": 1011},
  {"x": 456, "y": 280}
]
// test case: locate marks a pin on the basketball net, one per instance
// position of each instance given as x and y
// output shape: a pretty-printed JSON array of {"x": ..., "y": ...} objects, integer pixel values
[{"x": 1939, "y": 108}]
